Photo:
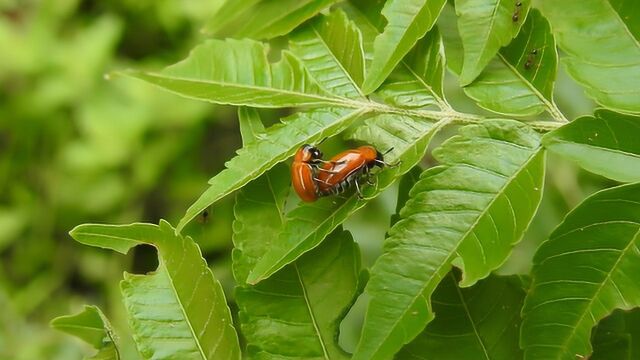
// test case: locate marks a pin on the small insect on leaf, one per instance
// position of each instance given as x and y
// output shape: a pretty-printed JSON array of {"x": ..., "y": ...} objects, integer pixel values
[
  {"x": 516, "y": 12},
  {"x": 531, "y": 59}
]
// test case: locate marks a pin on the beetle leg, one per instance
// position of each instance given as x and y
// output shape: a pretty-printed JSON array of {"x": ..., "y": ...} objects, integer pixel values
[
  {"x": 387, "y": 164},
  {"x": 360, "y": 196}
]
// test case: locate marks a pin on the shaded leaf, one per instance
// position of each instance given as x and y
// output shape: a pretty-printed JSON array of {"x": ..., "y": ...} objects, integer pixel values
[
  {"x": 407, "y": 22},
  {"x": 519, "y": 81},
  {"x": 278, "y": 143},
  {"x": 263, "y": 19},
  {"x": 485, "y": 26},
  {"x": 308, "y": 224},
  {"x": 93, "y": 327},
  {"x": 290, "y": 315},
  {"x": 613, "y": 336},
  {"x": 251, "y": 127},
  {"x": 178, "y": 311},
  {"x": 237, "y": 72},
  {"x": 331, "y": 48},
  {"x": 480, "y": 322},
  {"x": 584, "y": 271},
  {"x": 468, "y": 211},
  {"x": 606, "y": 144},
  {"x": 602, "y": 41}
]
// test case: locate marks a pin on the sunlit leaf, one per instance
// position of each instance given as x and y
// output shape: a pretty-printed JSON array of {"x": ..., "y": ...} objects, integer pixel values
[
  {"x": 407, "y": 22},
  {"x": 602, "y": 41},
  {"x": 519, "y": 81},
  {"x": 606, "y": 144},
  {"x": 308, "y": 224},
  {"x": 277, "y": 144},
  {"x": 417, "y": 80},
  {"x": 480, "y": 322},
  {"x": 331, "y": 48},
  {"x": 263, "y": 19},
  {"x": 485, "y": 26},
  {"x": 93, "y": 327},
  {"x": 237, "y": 72},
  {"x": 179, "y": 311},
  {"x": 468, "y": 211},
  {"x": 582, "y": 273},
  {"x": 290, "y": 315}
]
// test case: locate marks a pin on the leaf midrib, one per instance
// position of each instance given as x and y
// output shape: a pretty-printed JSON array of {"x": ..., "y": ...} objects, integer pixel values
[
  {"x": 471, "y": 321},
  {"x": 184, "y": 311},
  {"x": 311, "y": 313},
  {"x": 454, "y": 253},
  {"x": 605, "y": 149},
  {"x": 606, "y": 280}
]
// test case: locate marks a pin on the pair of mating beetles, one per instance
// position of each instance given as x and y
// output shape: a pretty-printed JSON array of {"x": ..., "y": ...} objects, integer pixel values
[{"x": 313, "y": 177}]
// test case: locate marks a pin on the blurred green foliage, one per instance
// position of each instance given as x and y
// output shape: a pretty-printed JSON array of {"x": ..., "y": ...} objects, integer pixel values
[{"x": 76, "y": 148}]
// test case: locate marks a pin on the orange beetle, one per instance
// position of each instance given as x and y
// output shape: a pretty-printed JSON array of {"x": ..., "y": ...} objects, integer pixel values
[
  {"x": 303, "y": 172},
  {"x": 348, "y": 168}
]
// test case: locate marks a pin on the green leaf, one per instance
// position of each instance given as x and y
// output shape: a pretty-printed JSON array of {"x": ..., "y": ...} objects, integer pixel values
[
  {"x": 308, "y": 224},
  {"x": 584, "y": 271},
  {"x": 417, "y": 81},
  {"x": 418, "y": 84},
  {"x": 480, "y": 322},
  {"x": 93, "y": 327},
  {"x": 331, "y": 48},
  {"x": 251, "y": 127},
  {"x": 614, "y": 335},
  {"x": 178, "y": 311},
  {"x": 519, "y": 81},
  {"x": 290, "y": 316},
  {"x": 606, "y": 144},
  {"x": 407, "y": 22},
  {"x": 278, "y": 143},
  {"x": 263, "y": 19},
  {"x": 485, "y": 26},
  {"x": 602, "y": 41},
  {"x": 237, "y": 72},
  {"x": 469, "y": 211}
]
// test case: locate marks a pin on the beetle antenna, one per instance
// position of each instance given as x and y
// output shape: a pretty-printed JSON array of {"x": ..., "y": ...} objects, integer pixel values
[
  {"x": 388, "y": 151},
  {"x": 323, "y": 139}
]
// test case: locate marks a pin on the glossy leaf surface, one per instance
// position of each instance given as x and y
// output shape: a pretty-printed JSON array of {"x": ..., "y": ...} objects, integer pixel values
[
  {"x": 331, "y": 48},
  {"x": 582, "y": 273},
  {"x": 606, "y": 144},
  {"x": 485, "y": 26},
  {"x": 602, "y": 41},
  {"x": 179, "y": 311},
  {"x": 519, "y": 81},
  {"x": 490, "y": 174},
  {"x": 480, "y": 322},
  {"x": 407, "y": 22},
  {"x": 93, "y": 327},
  {"x": 290, "y": 316},
  {"x": 263, "y": 19},
  {"x": 237, "y": 72}
]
